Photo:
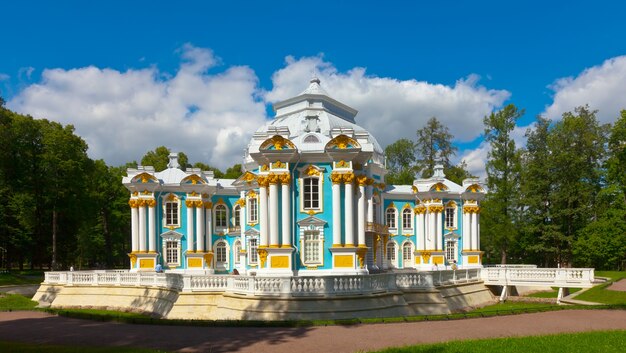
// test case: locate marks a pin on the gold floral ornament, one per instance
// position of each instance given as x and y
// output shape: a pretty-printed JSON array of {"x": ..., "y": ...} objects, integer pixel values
[
  {"x": 285, "y": 178},
  {"x": 342, "y": 164},
  {"x": 342, "y": 142},
  {"x": 439, "y": 187},
  {"x": 193, "y": 179},
  {"x": 208, "y": 259},
  {"x": 474, "y": 188},
  {"x": 144, "y": 178},
  {"x": 348, "y": 178},
  {"x": 171, "y": 197},
  {"x": 208, "y": 204},
  {"x": 336, "y": 178},
  {"x": 361, "y": 180},
  {"x": 277, "y": 143},
  {"x": 241, "y": 202},
  {"x": 420, "y": 209},
  {"x": 262, "y": 256},
  {"x": 133, "y": 203},
  {"x": 278, "y": 164},
  {"x": 133, "y": 260},
  {"x": 272, "y": 178},
  {"x": 262, "y": 181},
  {"x": 151, "y": 202},
  {"x": 311, "y": 171}
]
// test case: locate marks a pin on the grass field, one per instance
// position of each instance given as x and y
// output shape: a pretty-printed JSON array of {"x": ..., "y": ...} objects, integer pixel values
[
  {"x": 24, "y": 277},
  {"x": 11, "y": 302},
  {"x": 590, "y": 342}
]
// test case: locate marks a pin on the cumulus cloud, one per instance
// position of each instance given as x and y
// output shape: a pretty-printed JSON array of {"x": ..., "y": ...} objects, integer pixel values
[
  {"x": 392, "y": 108},
  {"x": 122, "y": 115},
  {"x": 4, "y": 77},
  {"x": 601, "y": 86}
]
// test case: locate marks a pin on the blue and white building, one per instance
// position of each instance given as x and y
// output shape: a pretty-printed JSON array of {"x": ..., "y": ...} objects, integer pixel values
[{"x": 312, "y": 201}]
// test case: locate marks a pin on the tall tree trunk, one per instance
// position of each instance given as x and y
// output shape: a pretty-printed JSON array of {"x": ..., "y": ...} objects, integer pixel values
[
  {"x": 54, "y": 238},
  {"x": 503, "y": 256}
]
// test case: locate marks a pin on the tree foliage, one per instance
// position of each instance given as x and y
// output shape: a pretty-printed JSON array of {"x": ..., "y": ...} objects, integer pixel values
[
  {"x": 160, "y": 157},
  {"x": 434, "y": 142}
]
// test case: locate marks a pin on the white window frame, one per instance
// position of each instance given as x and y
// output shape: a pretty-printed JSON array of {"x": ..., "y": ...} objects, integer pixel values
[
  {"x": 312, "y": 245},
  {"x": 237, "y": 216},
  {"x": 392, "y": 256},
  {"x": 454, "y": 249},
  {"x": 452, "y": 211},
  {"x": 407, "y": 227},
  {"x": 392, "y": 228},
  {"x": 221, "y": 265},
  {"x": 253, "y": 210},
  {"x": 236, "y": 251},
  {"x": 219, "y": 227},
  {"x": 171, "y": 250},
  {"x": 253, "y": 247},
  {"x": 407, "y": 261},
  {"x": 167, "y": 202},
  {"x": 376, "y": 206},
  {"x": 314, "y": 182}
]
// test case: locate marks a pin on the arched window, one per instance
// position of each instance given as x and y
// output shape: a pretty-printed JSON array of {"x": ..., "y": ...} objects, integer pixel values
[
  {"x": 407, "y": 219},
  {"x": 221, "y": 216},
  {"x": 392, "y": 259},
  {"x": 407, "y": 254},
  {"x": 390, "y": 217},
  {"x": 221, "y": 256},
  {"x": 237, "y": 216},
  {"x": 236, "y": 251},
  {"x": 253, "y": 210}
]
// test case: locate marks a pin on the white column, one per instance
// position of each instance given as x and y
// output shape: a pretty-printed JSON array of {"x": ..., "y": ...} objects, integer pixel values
[
  {"x": 263, "y": 215},
  {"x": 349, "y": 214},
  {"x": 142, "y": 227},
  {"x": 199, "y": 228},
  {"x": 431, "y": 231},
  {"x": 477, "y": 237},
  {"x": 361, "y": 216},
  {"x": 209, "y": 226},
  {"x": 474, "y": 229},
  {"x": 337, "y": 213},
  {"x": 190, "y": 237},
  {"x": 439, "y": 232},
  {"x": 151, "y": 226},
  {"x": 369, "y": 192},
  {"x": 421, "y": 239},
  {"x": 134, "y": 229},
  {"x": 286, "y": 207},
  {"x": 273, "y": 213},
  {"x": 467, "y": 238}
]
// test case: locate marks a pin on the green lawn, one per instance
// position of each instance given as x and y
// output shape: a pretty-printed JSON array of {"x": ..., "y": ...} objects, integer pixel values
[
  {"x": 599, "y": 294},
  {"x": 37, "y": 348},
  {"x": 10, "y": 302},
  {"x": 550, "y": 294},
  {"x": 590, "y": 342},
  {"x": 514, "y": 306},
  {"x": 24, "y": 277}
]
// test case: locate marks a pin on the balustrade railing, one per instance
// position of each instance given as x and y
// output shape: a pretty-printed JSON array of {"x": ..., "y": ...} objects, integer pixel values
[{"x": 556, "y": 277}]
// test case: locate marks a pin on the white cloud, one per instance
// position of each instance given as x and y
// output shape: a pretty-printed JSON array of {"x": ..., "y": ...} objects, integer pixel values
[
  {"x": 4, "y": 77},
  {"x": 122, "y": 115},
  {"x": 601, "y": 86},
  {"x": 391, "y": 108}
]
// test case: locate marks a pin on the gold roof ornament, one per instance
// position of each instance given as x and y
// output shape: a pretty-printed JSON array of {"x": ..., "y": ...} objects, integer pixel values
[{"x": 277, "y": 143}]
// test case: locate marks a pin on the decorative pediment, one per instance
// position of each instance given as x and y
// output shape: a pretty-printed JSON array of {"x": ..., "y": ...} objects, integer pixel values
[
  {"x": 277, "y": 143},
  {"x": 451, "y": 203},
  {"x": 474, "y": 188},
  {"x": 342, "y": 142},
  {"x": 145, "y": 178},
  {"x": 251, "y": 232},
  {"x": 451, "y": 235},
  {"x": 438, "y": 187},
  {"x": 193, "y": 179},
  {"x": 311, "y": 170},
  {"x": 311, "y": 221},
  {"x": 171, "y": 235}
]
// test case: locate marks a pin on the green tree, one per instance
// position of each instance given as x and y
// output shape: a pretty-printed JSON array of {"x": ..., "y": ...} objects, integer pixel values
[
  {"x": 616, "y": 164},
  {"x": 502, "y": 204},
  {"x": 160, "y": 157},
  {"x": 233, "y": 172},
  {"x": 434, "y": 141},
  {"x": 400, "y": 157},
  {"x": 577, "y": 149},
  {"x": 216, "y": 172}
]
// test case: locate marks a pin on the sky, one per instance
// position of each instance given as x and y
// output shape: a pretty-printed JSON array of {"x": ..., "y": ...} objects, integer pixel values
[{"x": 201, "y": 76}]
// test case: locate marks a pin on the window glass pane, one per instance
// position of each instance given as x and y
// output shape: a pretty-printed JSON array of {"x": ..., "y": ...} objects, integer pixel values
[{"x": 254, "y": 255}]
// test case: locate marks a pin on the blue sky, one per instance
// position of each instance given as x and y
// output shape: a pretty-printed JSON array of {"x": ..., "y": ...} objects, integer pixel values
[{"x": 194, "y": 66}]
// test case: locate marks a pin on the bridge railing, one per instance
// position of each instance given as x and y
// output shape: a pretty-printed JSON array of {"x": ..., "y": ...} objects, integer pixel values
[
  {"x": 554, "y": 277},
  {"x": 297, "y": 286}
]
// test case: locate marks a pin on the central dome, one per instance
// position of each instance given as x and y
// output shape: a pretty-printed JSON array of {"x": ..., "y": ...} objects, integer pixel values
[{"x": 310, "y": 120}]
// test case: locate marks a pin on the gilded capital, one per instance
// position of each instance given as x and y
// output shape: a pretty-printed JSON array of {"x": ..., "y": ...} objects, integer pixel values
[
  {"x": 361, "y": 180},
  {"x": 208, "y": 204},
  {"x": 133, "y": 203},
  {"x": 151, "y": 203},
  {"x": 336, "y": 178},
  {"x": 285, "y": 178},
  {"x": 198, "y": 203},
  {"x": 262, "y": 181},
  {"x": 348, "y": 178},
  {"x": 189, "y": 203},
  {"x": 272, "y": 178}
]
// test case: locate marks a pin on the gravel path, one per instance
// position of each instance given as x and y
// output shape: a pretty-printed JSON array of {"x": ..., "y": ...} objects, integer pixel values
[
  {"x": 40, "y": 327},
  {"x": 619, "y": 285}
]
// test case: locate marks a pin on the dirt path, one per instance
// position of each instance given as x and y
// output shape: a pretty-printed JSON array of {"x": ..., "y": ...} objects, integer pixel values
[
  {"x": 44, "y": 328},
  {"x": 619, "y": 285}
]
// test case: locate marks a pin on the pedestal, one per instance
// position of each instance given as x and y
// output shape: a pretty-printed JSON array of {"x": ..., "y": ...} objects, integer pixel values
[
  {"x": 472, "y": 259},
  {"x": 199, "y": 261},
  {"x": 346, "y": 260},
  {"x": 276, "y": 261},
  {"x": 143, "y": 261}
]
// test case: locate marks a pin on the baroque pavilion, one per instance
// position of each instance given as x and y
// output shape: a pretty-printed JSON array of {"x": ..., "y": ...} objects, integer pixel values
[{"x": 312, "y": 201}]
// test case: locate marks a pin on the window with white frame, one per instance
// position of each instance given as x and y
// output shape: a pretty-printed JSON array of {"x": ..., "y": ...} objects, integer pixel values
[
  {"x": 407, "y": 254},
  {"x": 407, "y": 218},
  {"x": 172, "y": 250},
  {"x": 375, "y": 206},
  {"x": 236, "y": 251},
  {"x": 390, "y": 217},
  {"x": 253, "y": 247},
  {"x": 312, "y": 247},
  {"x": 253, "y": 210},
  {"x": 391, "y": 253},
  {"x": 171, "y": 213},
  {"x": 221, "y": 216},
  {"x": 311, "y": 193},
  {"x": 450, "y": 217},
  {"x": 221, "y": 256},
  {"x": 237, "y": 216},
  {"x": 450, "y": 250}
]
